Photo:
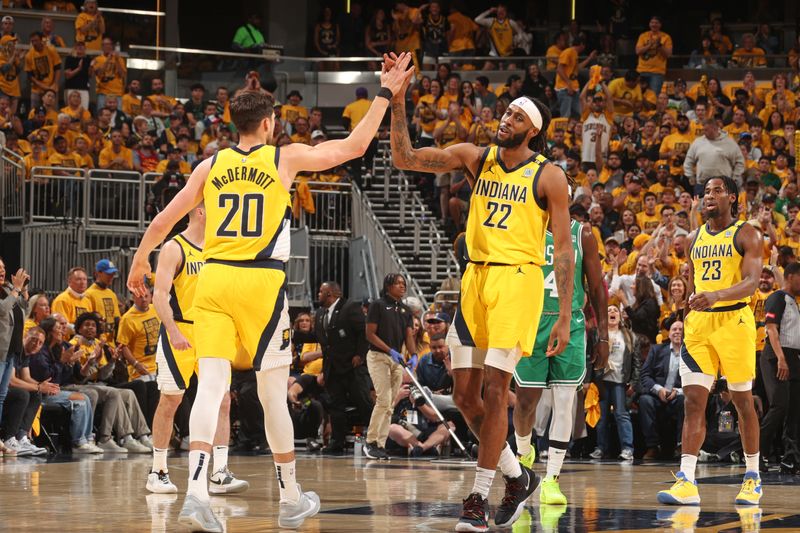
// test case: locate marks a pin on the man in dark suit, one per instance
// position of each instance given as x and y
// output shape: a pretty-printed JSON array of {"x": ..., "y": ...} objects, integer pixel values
[
  {"x": 340, "y": 330},
  {"x": 661, "y": 389}
]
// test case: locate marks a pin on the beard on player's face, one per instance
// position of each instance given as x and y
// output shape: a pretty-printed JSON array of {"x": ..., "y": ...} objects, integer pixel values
[{"x": 513, "y": 141}]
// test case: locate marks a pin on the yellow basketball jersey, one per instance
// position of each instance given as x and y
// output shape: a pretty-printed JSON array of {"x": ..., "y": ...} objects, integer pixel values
[
  {"x": 717, "y": 261},
  {"x": 502, "y": 36},
  {"x": 507, "y": 220},
  {"x": 248, "y": 210},
  {"x": 185, "y": 280}
]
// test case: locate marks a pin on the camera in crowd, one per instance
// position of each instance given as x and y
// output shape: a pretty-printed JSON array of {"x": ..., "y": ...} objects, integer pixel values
[{"x": 417, "y": 396}]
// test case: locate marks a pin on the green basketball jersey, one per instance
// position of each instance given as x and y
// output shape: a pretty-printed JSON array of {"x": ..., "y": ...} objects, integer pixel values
[{"x": 550, "y": 290}]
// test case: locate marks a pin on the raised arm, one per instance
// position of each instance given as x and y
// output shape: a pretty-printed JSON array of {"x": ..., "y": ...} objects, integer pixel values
[
  {"x": 485, "y": 19},
  {"x": 593, "y": 271},
  {"x": 159, "y": 228},
  {"x": 553, "y": 188},
  {"x": 298, "y": 157}
]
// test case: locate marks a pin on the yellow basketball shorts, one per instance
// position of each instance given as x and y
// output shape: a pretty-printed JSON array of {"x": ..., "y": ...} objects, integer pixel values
[
  {"x": 175, "y": 367},
  {"x": 243, "y": 310},
  {"x": 721, "y": 343},
  {"x": 499, "y": 307}
]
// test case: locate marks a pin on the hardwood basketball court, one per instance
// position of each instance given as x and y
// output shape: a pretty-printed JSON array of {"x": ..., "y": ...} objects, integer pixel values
[{"x": 102, "y": 493}]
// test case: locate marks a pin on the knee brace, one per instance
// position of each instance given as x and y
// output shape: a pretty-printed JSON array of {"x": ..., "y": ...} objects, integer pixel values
[{"x": 563, "y": 411}]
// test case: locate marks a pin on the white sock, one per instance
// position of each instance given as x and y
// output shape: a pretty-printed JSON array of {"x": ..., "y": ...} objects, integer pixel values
[
  {"x": 220, "y": 458},
  {"x": 508, "y": 463},
  {"x": 523, "y": 443},
  {"x": 287, "y": 482},
  {"x": 159, "y": 460},
  {"x": 483, "y": 481},
  {"x": 689, "y": 463},
  {"x": 198, "y": 474},
  {"x": 555, "y": 458},
  {"x": 751, "y": 462}
]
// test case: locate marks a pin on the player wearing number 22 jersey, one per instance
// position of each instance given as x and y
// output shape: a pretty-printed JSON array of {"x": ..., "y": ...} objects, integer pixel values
[{"x": 502, "y": 287}]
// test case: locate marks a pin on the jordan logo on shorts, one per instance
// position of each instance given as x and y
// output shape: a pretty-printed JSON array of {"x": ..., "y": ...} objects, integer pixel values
[
  {"x": 519, "y": 270},
  {"x": 740, "y": 321}
]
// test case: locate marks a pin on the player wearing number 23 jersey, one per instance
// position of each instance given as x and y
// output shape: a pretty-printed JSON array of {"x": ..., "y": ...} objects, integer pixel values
[
  {"x": 501, "y": 290},
  {"x": 247, "y": 225},
  {"x": 722, "y": 338}
]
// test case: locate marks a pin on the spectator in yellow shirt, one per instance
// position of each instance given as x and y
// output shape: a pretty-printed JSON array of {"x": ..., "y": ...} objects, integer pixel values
[
  {"x": 116, "y": 156},
  {"x": 90, "y": 26},
  {"x": 109, "y": 72},
  {"x": 173, "y": 154},
  {"x": 626, "y": 94},
  {"x": 43, "y": 65},
  {"x": 462, "y": 41},
  {"x": 293, "y": 109},
  {"x": 301, "y": 133},
  {"x": 653, "y": 48},
  {"x": 137, "y": 339},
  {"x": 131, "y": 101},
  {"x": 738, "y": 125},
  {"x": 567, "y": 88},
  {"x": 75, "y": 110},
  {"x": 162, "y": 104},
  {"x": 73, "y": 301},
  {"x": 356, "y": 110},
  {"x": 749, "y": 55},
  {"x": 11, "y": 66},
  {"x": 554, "y": 51}
]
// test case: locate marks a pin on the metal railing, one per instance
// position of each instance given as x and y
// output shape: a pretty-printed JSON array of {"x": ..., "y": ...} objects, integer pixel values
[
  {"x": 332, "y": 209},
  {"x": 121, "y": 257},
  {"x": 12, "y": 189},
  {"x": 386, "y": 258},
  {"x": 297, "y": 270},
  {"x": 48, "y": 251}
]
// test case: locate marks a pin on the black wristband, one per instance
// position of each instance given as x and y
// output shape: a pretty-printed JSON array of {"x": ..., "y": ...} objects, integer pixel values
[{"x": 385, "y": 92}]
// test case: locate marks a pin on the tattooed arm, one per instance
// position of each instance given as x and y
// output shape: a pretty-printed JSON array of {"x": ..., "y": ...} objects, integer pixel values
[
  {"x": 553, "y": 188},
  {"x": 429, "y": 159}
]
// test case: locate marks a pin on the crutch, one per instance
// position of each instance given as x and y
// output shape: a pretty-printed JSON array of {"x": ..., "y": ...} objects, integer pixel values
[{"x": 435, "y": 410}]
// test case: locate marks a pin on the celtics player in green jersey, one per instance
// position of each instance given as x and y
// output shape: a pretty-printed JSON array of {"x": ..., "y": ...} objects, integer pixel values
[{"x": 563, "y": 373}]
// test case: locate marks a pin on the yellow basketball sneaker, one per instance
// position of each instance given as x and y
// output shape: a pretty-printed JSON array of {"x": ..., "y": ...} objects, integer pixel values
[
  {"x": 523, "y": 523},
  {"x": 682, "y": 492},
  {"x": 549, "y": 517},
  {"x": 750, "y": 493},
  {"x": 529, "y": 458},
  {"x": 550, "y": 493},
  {"x": 750, "y": 518}
]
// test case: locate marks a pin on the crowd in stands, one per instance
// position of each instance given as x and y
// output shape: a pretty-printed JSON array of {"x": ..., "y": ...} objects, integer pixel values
[{"x": 635, "y": 146}]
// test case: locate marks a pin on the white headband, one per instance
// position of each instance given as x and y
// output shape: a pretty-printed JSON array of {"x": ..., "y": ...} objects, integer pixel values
[{"x": 530, "y": 109}]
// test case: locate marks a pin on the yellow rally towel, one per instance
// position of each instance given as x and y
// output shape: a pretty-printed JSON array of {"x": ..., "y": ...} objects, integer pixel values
[
  {"x": 592, "y": 405},
  {"x": 36, "y": 426},
  {"x": 303, "y": 199}
]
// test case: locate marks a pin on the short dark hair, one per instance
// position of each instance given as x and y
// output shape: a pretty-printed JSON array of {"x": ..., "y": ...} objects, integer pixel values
[
  {"x": 249, "y": 108},
  {"x": 197, "y": 86},
  {"x": 443, "y": 336},
  {"x": 649, "y": 194},
  {"x": 665, "y": 207},
  {"x": 484, "y": 80},
  {"x": 792, "y": 269},
  {"x": 631, "y": 75}
]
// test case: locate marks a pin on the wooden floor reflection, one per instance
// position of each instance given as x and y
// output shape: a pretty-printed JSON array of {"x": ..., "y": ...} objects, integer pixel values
[{"x": 107, "y": 494}]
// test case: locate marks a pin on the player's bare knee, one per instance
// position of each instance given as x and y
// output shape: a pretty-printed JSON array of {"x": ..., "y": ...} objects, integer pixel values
[{"x": 170, "y": 402}]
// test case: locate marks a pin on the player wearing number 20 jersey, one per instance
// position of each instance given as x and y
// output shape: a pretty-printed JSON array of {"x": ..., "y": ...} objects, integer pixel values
[
  {"x": 723, "y": 338},
  {"x": 247, "y": 225},
  {"x": 501, "y": 290},
  {"x": 569, "y": 368}
]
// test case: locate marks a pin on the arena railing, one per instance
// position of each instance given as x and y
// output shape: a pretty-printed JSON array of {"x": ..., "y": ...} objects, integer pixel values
[
  {"x": 332, "y": 208},
  {"x": 386, "y": 258},
  {"x": 12, "y": 189}
]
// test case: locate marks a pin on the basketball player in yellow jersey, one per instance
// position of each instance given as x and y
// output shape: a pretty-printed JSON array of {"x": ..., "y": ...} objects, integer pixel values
[
  {"x": 719, "y": 336},
  {"x": 179, "y": 264},
  {"x": 516, "y": 190},
  {"x": 241, "y": 291}
]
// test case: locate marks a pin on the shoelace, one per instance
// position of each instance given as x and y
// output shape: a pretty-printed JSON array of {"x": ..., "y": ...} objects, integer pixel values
[
  {"x": 679, "y": 481},
  {"x": 473, "y": 507},
  {"x": 163, "y": 477},
  {"x": 749, "y": 486},
  {"x": 512, "y": 487}
]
